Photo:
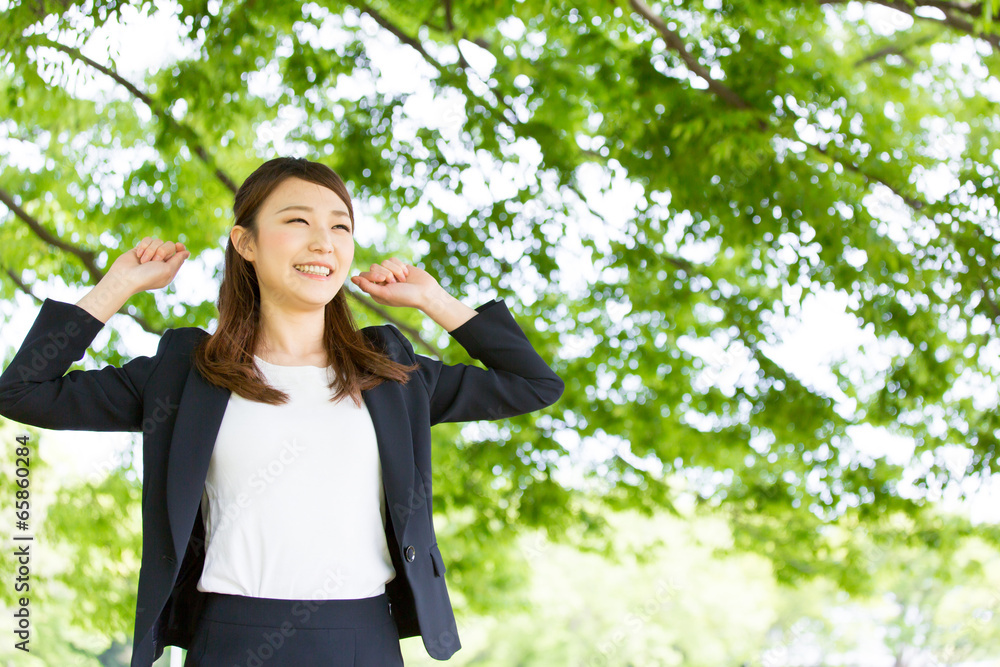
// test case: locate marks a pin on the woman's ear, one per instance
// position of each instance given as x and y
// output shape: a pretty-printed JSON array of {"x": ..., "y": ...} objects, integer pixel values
[{"x": 241, "y": 242}]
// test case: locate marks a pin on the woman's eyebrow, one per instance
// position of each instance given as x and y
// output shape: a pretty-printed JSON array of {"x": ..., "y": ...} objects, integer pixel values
[{"x": 300, "y": 207}]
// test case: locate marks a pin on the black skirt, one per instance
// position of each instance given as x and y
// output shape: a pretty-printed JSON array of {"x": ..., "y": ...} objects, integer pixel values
[{"x": 240, "y": 631}]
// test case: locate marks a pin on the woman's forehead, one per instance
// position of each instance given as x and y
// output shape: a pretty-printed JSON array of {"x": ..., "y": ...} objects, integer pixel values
[{"x": 295, "y": 192}]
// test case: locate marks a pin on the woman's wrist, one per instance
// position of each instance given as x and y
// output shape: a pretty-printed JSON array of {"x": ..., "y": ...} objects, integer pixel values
[
  {"x": 106, "y": 298},
  {"x": 446, "y": 310}
]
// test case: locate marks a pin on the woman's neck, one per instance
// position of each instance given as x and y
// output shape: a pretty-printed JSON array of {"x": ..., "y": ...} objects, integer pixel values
[
  {"x": 319, "y": 360},
  {"x": 290, "y": 338}
]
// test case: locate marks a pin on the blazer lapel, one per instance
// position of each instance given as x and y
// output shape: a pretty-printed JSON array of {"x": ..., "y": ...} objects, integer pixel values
[
  {"x": 199, "y": 416},
  {"x": 387, "y": 410}
]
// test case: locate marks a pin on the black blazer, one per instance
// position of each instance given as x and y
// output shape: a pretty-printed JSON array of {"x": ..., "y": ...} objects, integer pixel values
[{"x": 179, "y": 414}]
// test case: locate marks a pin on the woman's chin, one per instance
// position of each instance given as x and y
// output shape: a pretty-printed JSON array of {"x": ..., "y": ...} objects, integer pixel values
[{"x": 317, "y": 297}]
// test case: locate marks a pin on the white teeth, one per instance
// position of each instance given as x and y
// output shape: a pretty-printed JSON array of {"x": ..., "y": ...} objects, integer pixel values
[{"x": 315, "y": 270}]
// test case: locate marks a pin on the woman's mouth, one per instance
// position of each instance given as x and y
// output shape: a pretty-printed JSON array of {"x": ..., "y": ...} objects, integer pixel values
[{"x": 312, "y": 271}]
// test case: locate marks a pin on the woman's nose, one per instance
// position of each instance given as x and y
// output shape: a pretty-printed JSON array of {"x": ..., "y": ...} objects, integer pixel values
[{"x": 322, "y": 240}]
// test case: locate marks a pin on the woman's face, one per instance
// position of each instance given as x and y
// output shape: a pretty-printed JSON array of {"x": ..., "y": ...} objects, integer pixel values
[{"x": 301, "y": 223}]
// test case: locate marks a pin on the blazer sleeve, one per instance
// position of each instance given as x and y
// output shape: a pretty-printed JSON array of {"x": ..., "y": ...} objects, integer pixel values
[
  {"x": 35, "y": 389},
  {"x": 516, "y": 381}
]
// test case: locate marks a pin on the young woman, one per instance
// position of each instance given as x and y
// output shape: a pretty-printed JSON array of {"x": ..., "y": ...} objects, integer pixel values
[{"x": 286, "y": 501}]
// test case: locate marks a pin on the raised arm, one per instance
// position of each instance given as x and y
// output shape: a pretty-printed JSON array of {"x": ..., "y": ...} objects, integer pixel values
[
  {"x": 516, "y": 381},
  {"x": 35, "y": 389}
]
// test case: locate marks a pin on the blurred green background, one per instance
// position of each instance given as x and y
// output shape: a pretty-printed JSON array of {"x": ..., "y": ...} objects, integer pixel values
[{"x": 758, "y": 240}]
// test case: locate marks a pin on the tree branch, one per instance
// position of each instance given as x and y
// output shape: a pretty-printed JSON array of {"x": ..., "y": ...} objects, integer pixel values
[
  {"x": 418, "y": 47},
  {"x": 448, "y": 21},
  {"x": 450, "y": 24},
  {"x": 912, "y": 202},
  {"x": 199, "y": 150},
  {"x": 949, "y": 9},
  {"x": 412, "y": 42},
  {"x": 87, "y": 257},
  {"x": 14, "y": 278},
  {"x": 677, "y": 262},
  {"x": 893, "y": 49},
  {"x": 172, "y": 122},
  {"x": 675, "y": 43},
  {"x": 992, "y": 304},
  {"x": 415, "y": 334}
]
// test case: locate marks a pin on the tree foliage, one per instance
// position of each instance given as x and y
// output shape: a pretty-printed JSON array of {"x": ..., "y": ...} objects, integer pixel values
[{"x": 666, "y": 185}]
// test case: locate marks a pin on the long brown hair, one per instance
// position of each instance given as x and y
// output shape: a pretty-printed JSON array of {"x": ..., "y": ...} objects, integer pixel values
[{"x": 225, "y": 358}]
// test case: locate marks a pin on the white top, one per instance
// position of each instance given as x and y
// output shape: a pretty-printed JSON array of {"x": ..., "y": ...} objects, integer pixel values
[{"x": 293, "y": 503}]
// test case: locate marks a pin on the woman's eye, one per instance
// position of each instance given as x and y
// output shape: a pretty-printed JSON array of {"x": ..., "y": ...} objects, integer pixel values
[{"x": 345, "y": 227}]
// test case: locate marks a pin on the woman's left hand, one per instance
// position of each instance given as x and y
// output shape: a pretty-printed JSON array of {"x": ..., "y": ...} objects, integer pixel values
[{"x": 393, "y": 283}]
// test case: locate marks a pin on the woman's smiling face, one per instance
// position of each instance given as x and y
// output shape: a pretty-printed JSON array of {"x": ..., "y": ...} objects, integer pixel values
[{"x": 301, "y": 223}]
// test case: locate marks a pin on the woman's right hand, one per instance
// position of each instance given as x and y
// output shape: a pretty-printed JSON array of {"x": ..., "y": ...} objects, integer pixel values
[{"x": 152, "y": 264}]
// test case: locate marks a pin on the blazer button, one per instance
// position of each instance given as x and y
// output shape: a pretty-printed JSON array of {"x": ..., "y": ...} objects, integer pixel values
[{"x": 410, "y": 554}]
